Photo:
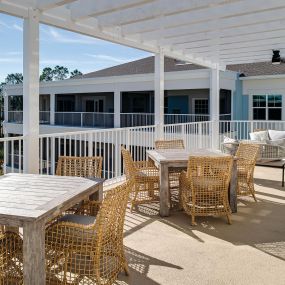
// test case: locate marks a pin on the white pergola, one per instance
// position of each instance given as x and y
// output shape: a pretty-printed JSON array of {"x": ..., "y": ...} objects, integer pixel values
[{"x": 211, "y": 33}]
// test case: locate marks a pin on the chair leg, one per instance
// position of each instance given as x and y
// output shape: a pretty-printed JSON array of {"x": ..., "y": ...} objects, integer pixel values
[
  {"x": 251, "y": 189},
  {"x": 229, "y": 219},
  {"x": 126, "y": 268},
  {"x": 193, "y": 223}
]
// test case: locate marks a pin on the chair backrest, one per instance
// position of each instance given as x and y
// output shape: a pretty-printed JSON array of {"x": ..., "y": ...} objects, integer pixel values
[
  {"x": 129, "y": 165},
  {"x": 109, "y": 227},
  {"x": 248, "y": 151},
  {"x": 169, "y": 144},
  {"x": 79, "y": 166},
  {"x": 216, "y": 169}
]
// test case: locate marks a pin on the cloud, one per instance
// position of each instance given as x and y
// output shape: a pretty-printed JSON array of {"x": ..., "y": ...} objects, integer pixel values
[
  {"x": 18, "y": 27},
  {"x": 10, "y": 60},
  {"x": 59, "y": 37},
  {"x": 109, "y": 58}
]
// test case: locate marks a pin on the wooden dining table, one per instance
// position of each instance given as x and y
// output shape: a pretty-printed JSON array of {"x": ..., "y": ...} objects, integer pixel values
[
  {"x": 178, "y": 158},
  {"x": 29, "y": 201}
]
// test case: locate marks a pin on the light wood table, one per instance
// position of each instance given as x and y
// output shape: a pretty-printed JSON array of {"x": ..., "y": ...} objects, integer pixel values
[
  {"x": 29, "y": 201},
  {"x": 164, "y": 159}
]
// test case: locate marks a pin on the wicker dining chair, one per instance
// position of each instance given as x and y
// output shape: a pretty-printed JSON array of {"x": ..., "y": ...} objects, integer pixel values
[
  {"x": 204, "y": 187},
  {"x": 146, "y": 180},
  {"x": 80, "y": 167},
  {"x": 11, "y": 259},
  {"x": 89, "y": 250},
  {"x": 247, "y": 155},
  {"x": 173, "y": 173}
]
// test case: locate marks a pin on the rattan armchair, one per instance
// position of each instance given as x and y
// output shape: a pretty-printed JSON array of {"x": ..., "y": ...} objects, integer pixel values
[
  {"x": 11, "y": 259},
  {"x": 80, "y": 167},
  {"x": 173, "y": 173},
  {"x": 86, "y": 250},
  {"x": 146, "y": 180},
  {"x": 247, "y": 155},
  {"x": 204, "y": 187}
]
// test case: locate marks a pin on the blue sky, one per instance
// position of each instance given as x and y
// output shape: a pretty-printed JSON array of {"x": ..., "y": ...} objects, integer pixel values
[{"x": 59, "y": 47}]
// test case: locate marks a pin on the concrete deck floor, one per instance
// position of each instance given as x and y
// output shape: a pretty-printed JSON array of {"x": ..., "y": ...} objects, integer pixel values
[{"x": 250, "y": 251}]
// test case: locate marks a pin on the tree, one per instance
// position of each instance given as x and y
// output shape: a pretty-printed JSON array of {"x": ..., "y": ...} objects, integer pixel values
[
  {"x": 60, "y": 73},
  {"x": 47, "y": 74},
  {"x": 14, "y": 78},
  {"x": 75, "y": 72}
]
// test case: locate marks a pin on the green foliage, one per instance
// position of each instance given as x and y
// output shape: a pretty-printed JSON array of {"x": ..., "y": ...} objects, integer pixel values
[
  {"x": 75, "y": 72},
  {"x": 14, "y": 78},
  {"x": 47, "y": 74},
  {"x": 60, "y": 72}
]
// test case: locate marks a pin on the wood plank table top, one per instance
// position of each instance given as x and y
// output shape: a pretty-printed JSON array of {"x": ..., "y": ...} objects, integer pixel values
[
  {"x": 29, "y": 201},
  {"x": 28, "y": 197}
]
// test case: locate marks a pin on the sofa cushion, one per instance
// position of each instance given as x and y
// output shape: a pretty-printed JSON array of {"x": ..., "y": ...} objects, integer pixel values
[
  {"x": 279, "y": 142},
  {"x": 276, "y": 135},
  {"x": 229, "y": 140},
  {"x": 261, "y": 136}
]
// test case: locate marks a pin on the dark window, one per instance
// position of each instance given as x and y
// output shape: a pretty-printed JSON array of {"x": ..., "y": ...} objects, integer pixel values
[{"x": 201, "y": 106}]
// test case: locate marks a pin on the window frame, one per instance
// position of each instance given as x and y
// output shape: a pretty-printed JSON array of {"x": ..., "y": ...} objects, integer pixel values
[{"x": 266, "y": 107}]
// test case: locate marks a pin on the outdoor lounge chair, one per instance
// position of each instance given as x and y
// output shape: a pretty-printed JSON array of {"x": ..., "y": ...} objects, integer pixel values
[
  {"x": 145, "y": 177},
  {"x": 204, "y": 187},
  {"x": 173, "y": 173},
  {"x": 247, "y": 155},
  {"x": 86, "y": 249}
]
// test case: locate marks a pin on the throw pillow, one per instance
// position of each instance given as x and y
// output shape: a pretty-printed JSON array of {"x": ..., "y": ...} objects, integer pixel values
[
  {"x": 276, "y": 135},
  {"x": 261, "y": 136}
]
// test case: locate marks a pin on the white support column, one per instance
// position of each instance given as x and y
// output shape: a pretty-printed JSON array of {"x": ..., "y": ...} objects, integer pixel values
[
  {"x": 117, "y": 109},
  {"x": 215, "y": 106},
  {"x": 6, "y": 106},
  {"x": 31, "y": 92},
  {"x": 159, "y": 93},
  {"x": 52, "y": 108}
]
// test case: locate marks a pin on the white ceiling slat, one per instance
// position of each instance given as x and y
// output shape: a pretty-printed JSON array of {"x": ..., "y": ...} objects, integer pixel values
[
  {"x": 214, "y": 25},
  {"x": 207, "y": 14},
  {"x": 228, "y": 32},
  {"x": 85, "y": 8},
  {"x": 152, "y": 10},
  {"x": 49, "y": 4}
]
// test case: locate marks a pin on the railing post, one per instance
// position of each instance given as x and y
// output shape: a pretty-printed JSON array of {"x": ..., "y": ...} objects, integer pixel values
[
  {"x": 81, "y": 119},
  {"x": 90, "y": 144},
  {"x": 52, "y": 155},
  {"x": 200, "y": 134},
  {"x": 117, "y": 109},
  {"x": 215, "y": 135}
]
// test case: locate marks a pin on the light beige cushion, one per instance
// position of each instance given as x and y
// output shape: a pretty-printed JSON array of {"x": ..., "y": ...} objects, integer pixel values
[
  {"x": 276, "y": 135},
  {"x": 261, "y": 136}
]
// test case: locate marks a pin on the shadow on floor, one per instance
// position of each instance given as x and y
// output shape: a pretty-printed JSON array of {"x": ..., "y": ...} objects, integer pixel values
[{"x": 139, "y": 265}]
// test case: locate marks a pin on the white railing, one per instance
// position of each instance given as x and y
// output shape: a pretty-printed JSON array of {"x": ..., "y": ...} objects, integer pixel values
[
  {"x": 107, "y": 143},
  {"x": 185, "y": 118},
  {"x": 85, "y": 119},
  {"x": 11, "y": 154},
  {"x": 136, "y": 119}
]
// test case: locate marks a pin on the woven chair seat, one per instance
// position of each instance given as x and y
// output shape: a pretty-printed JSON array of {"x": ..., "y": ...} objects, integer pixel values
[
  {"x": 206, "y": 184},
  {"x": 78, "y": 219},
  {"x": 151, "y": 173}
]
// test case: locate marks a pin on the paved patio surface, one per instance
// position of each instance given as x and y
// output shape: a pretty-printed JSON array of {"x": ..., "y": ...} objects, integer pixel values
[{"x": 250, "y": 251}]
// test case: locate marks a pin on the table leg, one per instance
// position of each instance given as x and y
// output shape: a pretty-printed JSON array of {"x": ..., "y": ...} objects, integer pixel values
[
  {"x": 164, "y": 191},
  {"x": 233, "y": 189},
  {"x": 34, "y": 253},
  {"x": 98, "y": 195},
  {"x": 283, "y": 170}
]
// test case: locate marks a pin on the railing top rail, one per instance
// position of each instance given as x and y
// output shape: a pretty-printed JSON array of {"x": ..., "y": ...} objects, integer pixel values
[
  {"x": 107, "y": 113},
  {"x": 7, "y": 139}
]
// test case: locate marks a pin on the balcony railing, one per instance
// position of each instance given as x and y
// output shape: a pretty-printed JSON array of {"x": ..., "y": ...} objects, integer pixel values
[
  {"x": 85, "y": 119},
  {"x": 107, "y": 143},
  {"x": 17, "y": 117}
]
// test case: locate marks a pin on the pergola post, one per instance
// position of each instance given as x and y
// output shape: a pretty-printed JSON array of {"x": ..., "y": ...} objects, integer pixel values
[
  {"x": 31, "y": 92},
  {"x": 159, "y": 93},
  {"x": 117, "y": 109},
  {"x": 215, "y": 105},
  {"x": 52, "y": 108}
]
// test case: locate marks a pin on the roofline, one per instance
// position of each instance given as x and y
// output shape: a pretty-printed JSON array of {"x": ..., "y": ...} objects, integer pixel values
[
  {"x": 256, "y": 77},
  {"x": 125, "y": 78}
]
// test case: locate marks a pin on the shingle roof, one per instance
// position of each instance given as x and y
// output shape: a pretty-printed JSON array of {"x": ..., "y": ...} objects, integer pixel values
[
  {"x": 141, "y": 66},
  {"x": 146, "y": 65},
  {"x": 258, "y": 68}
]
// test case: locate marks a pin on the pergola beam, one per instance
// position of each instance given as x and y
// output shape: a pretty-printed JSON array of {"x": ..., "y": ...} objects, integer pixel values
[
  {"x": 83, "y": 9},
  {"x": 49, "y": 4}
]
